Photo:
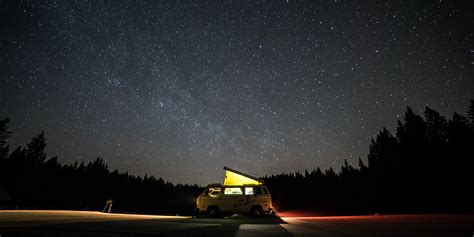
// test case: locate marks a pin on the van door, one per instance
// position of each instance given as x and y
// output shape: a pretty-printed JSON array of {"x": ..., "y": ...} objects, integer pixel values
[
  {"x": 257, "y": 196},
  {"x": 232, "y": 199},
  {"x": 251, "y": 198},
  {"x": 210, "y": 197}
]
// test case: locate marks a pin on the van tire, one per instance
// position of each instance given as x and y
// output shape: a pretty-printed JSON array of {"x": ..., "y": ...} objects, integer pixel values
[
  {"x": 213, "y": 211},
  {"x": 256, "y": 211}
]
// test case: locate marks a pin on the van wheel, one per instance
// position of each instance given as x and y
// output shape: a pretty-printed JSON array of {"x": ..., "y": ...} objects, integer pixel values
[
  {"x": 256, "y": 211},
  {"x": 213, "y": 211}
]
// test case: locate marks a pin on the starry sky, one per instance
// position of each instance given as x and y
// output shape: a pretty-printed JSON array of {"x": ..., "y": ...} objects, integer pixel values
[{"x": 179, "y": 89}]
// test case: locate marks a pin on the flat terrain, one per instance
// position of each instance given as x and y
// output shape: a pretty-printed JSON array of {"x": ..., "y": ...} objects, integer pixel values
[{"x": 85, "y": 223}]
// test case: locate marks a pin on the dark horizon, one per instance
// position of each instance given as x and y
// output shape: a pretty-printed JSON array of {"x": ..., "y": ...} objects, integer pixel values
[
  {"x": 181, "y": 89},
  {"x": 425, "y": 167},
  {"x": 361, "y": 162}
]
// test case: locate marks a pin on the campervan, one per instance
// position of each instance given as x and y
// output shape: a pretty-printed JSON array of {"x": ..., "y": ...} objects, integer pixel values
[{"x": 240, "y": 193}]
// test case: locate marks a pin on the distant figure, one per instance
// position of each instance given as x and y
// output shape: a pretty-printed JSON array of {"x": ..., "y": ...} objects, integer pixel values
[{"x": 108, "y": 205}]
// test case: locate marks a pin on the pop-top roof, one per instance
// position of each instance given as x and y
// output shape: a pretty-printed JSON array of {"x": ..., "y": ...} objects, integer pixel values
[{"x": 237, "y": 178}]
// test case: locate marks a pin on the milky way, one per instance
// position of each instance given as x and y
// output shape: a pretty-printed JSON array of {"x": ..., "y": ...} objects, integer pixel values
[{"x": 179, "y": 89}]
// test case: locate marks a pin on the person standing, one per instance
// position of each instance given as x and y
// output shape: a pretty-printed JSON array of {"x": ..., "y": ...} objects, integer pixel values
[{"x": 108, "y": 205}]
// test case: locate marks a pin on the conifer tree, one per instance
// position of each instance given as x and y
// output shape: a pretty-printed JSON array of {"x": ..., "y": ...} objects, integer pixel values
[
  {"x": 4, "y": 135},
  {"x": 35, "y": 150},
  {"x": 471, "y": 113}
]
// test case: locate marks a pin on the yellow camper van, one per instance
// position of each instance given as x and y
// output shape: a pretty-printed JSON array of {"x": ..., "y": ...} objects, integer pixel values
[{"x": 240, "y": 193}]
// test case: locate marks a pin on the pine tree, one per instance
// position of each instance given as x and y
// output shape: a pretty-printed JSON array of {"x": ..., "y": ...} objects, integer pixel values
[
  {"x": 436, "y": 125},
  {"x": 381, "y": 150},
  {"x": 4, "y": 148},
  {"x": 35, "y": 149},
  {"x": 459, "y": 122},
  {"x": 362, "y": 167},
  {"x": 4, "y": 135},
  {"x": 18, "y": 154},
  {"x": 330, "y": 173},
  {"x": 471, "y": 113},
  {"x": 413, "y": 131}
]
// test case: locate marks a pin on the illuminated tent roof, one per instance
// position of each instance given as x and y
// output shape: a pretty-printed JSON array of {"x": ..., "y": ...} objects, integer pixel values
[{"x": 236, "y": 178}]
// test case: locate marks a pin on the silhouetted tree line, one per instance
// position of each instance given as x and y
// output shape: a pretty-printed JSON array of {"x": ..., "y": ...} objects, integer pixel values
[
  {"x": 37, "y": 182},
  {"x": 427, "y": 166}
]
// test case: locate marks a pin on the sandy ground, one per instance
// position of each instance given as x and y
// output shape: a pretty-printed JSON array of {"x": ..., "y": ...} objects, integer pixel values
[{"x": 85, "y": 223}]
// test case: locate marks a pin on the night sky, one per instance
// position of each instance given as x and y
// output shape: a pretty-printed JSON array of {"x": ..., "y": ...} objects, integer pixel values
[{"x": 179, "y": 89}]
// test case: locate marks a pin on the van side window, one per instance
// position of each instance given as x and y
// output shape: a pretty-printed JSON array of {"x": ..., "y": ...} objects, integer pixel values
[
  {"x": 265, "y": 190},
  {"x": 214, "y": 191},
  {"x": 257, "y": 191},
  {"x": 232, "y": 191}
]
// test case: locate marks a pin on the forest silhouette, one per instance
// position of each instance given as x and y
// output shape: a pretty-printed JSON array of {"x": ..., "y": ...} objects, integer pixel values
[{"x": 425, "y": 167}]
